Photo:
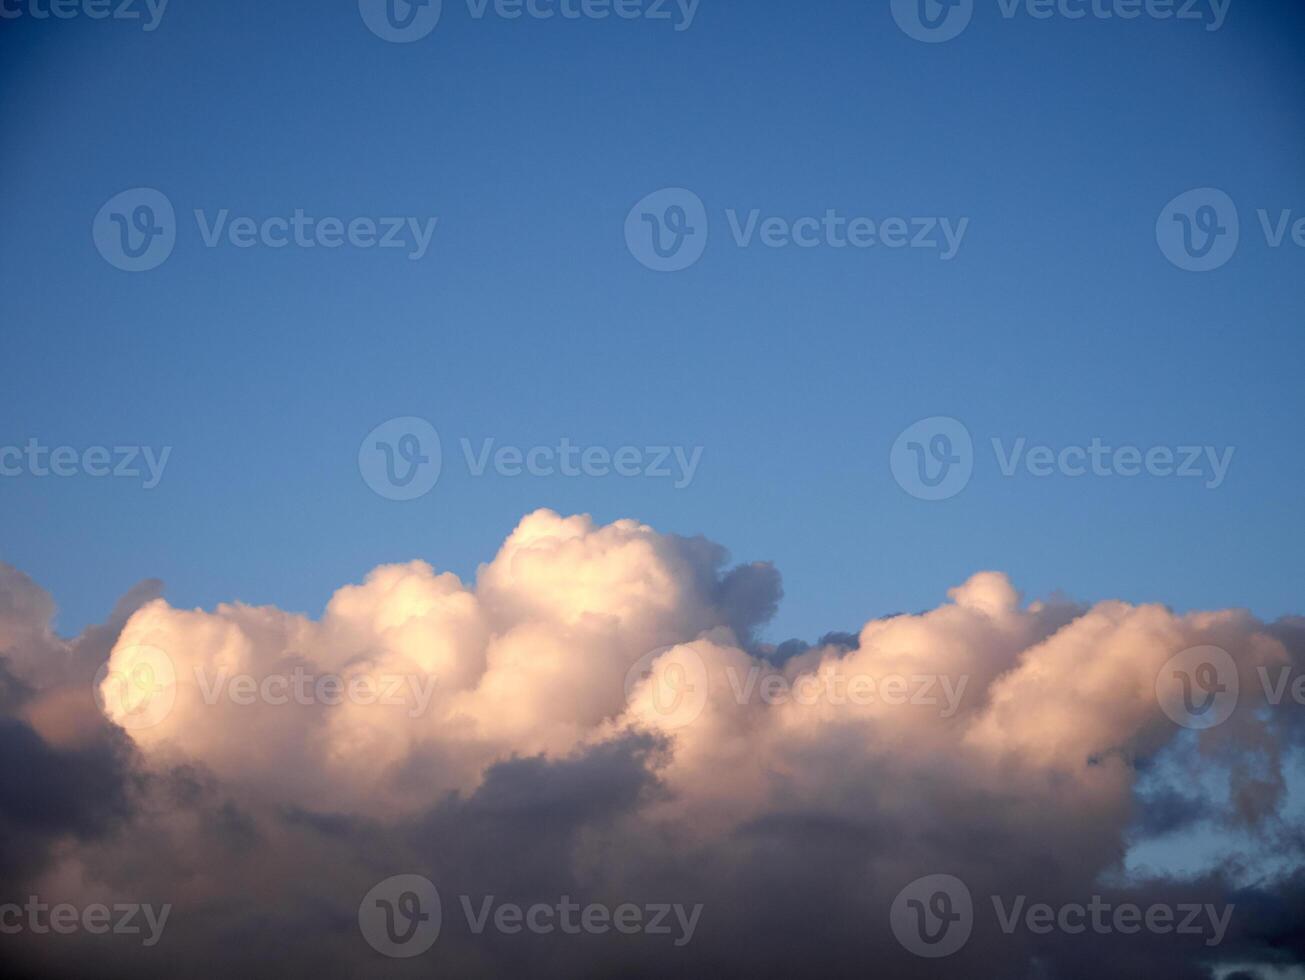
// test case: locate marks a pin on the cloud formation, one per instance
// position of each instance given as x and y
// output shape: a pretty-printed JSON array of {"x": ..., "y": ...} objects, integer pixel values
[{"x": 597, "y": 720}]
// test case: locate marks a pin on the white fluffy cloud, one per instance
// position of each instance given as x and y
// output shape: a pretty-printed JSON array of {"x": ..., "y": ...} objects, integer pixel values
[{"x": 985, "y": 723}]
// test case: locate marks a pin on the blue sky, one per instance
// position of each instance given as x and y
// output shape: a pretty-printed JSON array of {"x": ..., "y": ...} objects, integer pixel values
[{"x": 1059, "y": 320}]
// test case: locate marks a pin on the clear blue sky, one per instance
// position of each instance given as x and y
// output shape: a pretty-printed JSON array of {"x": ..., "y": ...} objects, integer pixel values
[{"x": 1060, "y": 320}]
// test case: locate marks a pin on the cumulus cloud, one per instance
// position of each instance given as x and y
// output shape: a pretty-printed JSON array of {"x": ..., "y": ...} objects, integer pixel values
[{"x": 597, "y": 718}]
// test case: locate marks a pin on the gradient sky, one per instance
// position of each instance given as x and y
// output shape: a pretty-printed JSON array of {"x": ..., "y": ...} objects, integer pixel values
[{"x": 1060, "y": 320}]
